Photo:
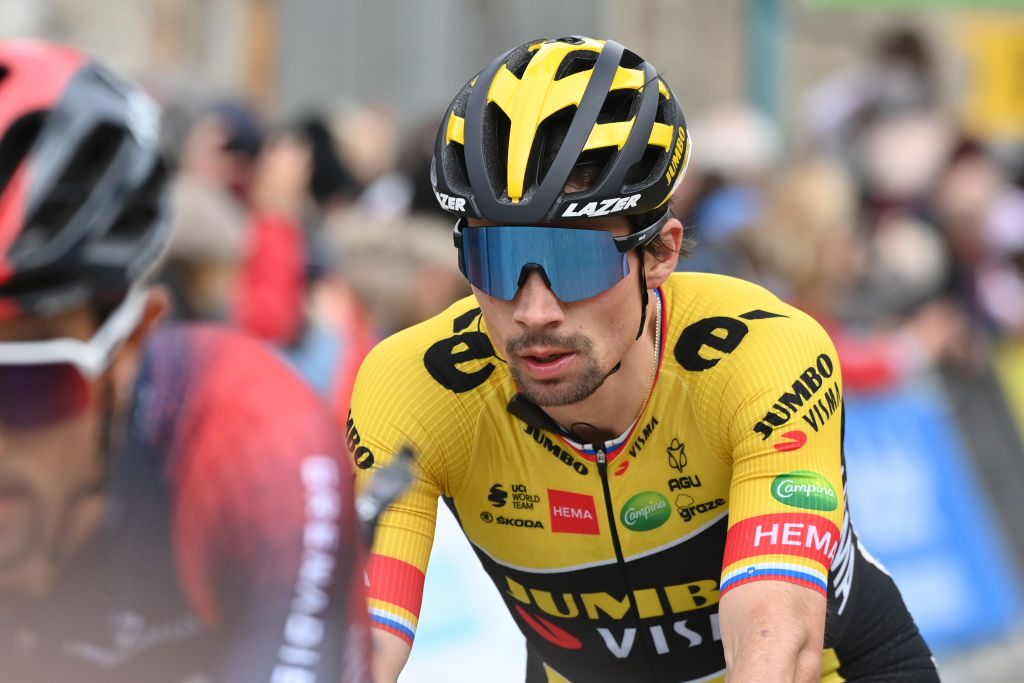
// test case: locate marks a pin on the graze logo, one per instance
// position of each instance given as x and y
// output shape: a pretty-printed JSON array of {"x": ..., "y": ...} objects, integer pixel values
[
  {"x": 642, "y": 437},
  {"x": 498, "y": 496},
  {"x": 677, "y": 455},
  {"x": 697, "y": 343},
  {"x": 794, "y": 441},
  {"x": 643, "y": 603},
  {"x": 572, "y": 513},
  {"x": 804, "y": 388},
  {"x": 519, "y": 522},
  {"x": 454, "y": 363},
  {"x": 645, "y": 511},
  {"x": 544, "y": 440},
  {"x": 362, "y": 455},
  {"x": 805, "y": 489},
  {"x": 604, "y": 207},
  {"x": 688, "y": 508},
  {"x": 450, "y": 203}
]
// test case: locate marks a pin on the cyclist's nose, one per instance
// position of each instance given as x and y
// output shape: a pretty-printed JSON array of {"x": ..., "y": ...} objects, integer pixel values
[{"x": 536, "y": 305}]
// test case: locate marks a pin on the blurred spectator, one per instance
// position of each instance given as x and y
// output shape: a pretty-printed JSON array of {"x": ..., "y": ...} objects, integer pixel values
[
  {"x": 415, "y": 164},
  {"x": 208, "y": 198},
  {"x": 898, "y": 77},
  {"x": 722, "y": 192},
  {"x": 809, "y": 248},
  {"x": 290, "y": 293},
  {"x": 982, "y": 213},
  {"x": 406, "y": 271},
  {"x": 369, "y": 140}
]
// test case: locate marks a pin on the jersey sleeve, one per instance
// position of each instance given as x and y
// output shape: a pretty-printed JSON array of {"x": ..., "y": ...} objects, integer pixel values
[
  {"x": 777, "y": 413},
  {"x": 397, "y": 403},
  {"x": 265, "y": 535}
]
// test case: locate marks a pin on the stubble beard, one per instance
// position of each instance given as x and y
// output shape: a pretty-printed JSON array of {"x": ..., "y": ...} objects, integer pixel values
[{"x": 562, "y": 391}]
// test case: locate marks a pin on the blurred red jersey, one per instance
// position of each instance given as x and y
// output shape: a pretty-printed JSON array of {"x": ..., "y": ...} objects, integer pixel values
[{"x": 229, "y": 551}]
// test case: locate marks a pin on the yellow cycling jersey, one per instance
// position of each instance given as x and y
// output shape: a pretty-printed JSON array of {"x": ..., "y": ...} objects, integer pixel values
[{"x": 612, "y": 558}]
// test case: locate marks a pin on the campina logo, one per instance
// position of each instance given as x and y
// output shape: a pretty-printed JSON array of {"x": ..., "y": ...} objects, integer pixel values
[
  {"x": 645, "y": 511},
  {"x": 805, "y": 489}
]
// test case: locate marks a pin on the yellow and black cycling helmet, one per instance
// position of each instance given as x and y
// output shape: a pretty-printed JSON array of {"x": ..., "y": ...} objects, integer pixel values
[{"x": 516, "y": 139}]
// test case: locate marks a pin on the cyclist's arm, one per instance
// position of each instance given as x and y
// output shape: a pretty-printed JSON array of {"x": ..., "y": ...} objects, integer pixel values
[
  {"x": 397, "y": 404},
  {"x": 390, "y": 654},
  {"x": 772, "y": 631},
  {"x": 777, "y": 414}
]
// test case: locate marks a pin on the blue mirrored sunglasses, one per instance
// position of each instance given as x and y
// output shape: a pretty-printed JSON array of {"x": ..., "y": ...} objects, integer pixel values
[{"x": 576, "y": 263}]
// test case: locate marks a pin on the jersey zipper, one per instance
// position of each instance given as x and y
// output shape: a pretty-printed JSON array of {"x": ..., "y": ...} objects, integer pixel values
[{"x": 602, "y": 469}]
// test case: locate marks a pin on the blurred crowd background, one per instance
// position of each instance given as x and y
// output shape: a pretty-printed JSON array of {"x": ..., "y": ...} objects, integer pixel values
[{"x": 864, "y": 159}]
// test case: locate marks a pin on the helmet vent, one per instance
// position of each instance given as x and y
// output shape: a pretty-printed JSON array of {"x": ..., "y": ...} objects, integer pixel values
[
  {"x": 17, "y": 142},
  {"x": 141, "y": 209},
  {"x": 618, "y": 106},
  {"x": 496, "y": 155},
  {"x": 576, "y": 62},
  {"x": 72, "y": 191}
]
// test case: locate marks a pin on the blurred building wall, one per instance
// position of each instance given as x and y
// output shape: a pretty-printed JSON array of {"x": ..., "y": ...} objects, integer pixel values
[
  {"x": 412, "y": 56},
  {"x": 289, "y": 56}
]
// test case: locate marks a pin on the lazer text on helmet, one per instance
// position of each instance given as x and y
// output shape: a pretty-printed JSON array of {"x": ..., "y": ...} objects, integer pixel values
[
  {"x": 602, "y": 208},
  {"x": 450, "y": 203}
]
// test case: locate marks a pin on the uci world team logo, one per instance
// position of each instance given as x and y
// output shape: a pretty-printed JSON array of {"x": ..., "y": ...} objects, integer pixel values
[{"x": 498, "y": 496}]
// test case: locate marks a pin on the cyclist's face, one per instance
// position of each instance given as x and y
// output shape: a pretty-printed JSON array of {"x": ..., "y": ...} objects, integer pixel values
[
  {"x": 45, "y": 465},
  {"x": 558, "y": 352}
]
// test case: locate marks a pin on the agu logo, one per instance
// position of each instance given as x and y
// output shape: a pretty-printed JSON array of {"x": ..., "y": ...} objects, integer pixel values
[
  {"x": 676, "y": 455},
  {"x": 572, "y": 513}
]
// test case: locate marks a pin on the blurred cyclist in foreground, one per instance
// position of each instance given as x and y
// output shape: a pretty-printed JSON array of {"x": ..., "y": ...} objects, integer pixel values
[
  {"x": 656, "y": 490},
  {"x": 174, "y": 504}
]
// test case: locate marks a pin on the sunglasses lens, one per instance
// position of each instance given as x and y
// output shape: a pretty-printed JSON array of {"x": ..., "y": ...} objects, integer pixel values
[
  {"x": 34, "y": 396},
  {"x": 579, "y": 264}
]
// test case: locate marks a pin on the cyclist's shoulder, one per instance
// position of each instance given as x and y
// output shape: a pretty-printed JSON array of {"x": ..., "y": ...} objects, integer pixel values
[
  {"x": 730, "y": 308},
  {"x": 435, "y": 356},
  {"x": 202, "y": 378}
]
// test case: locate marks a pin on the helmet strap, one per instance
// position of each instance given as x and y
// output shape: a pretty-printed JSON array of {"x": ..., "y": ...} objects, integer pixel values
[{"x": 643, "y": 293}]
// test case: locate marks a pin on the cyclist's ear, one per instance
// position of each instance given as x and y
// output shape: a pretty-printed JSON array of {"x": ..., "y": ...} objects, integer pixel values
[
  {"x": 662, "y": 256},
  {"x": 126, "y": 364}
]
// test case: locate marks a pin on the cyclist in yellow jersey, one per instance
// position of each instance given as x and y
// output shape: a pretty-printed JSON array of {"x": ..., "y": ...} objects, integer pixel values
[{"x": 657, "y": 490}]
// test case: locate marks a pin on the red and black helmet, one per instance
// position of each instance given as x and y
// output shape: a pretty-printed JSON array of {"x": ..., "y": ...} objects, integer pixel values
[{"x": 82, "y": 182}]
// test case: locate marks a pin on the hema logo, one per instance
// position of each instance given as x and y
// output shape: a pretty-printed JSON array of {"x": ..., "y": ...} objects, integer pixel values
[{"x": 572, "y": 513}]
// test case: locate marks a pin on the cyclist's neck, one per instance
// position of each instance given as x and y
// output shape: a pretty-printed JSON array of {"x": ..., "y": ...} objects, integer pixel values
[{"x": 617, "y": 403}]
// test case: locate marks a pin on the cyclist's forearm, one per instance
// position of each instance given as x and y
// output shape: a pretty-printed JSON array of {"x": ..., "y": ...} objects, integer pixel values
[{"x": 390, "y": 653}]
